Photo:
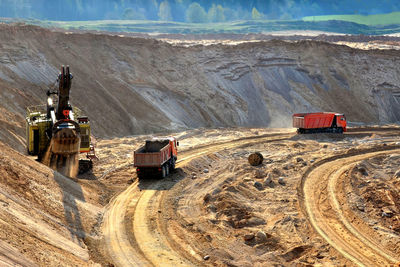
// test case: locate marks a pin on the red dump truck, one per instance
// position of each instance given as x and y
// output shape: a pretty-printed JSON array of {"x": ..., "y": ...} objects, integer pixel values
[
  {"x": 156, "y": 158},
  {"x": 319, "y": 122}
]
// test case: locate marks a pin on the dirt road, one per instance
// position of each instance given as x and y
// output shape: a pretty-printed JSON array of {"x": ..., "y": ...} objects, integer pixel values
[
  {"x": 146, "y": 226},
  {"x": 132, "y": 234},
  {"x": 320, "y": 192}
]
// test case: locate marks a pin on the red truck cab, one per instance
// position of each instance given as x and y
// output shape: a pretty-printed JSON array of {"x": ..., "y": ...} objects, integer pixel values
[{"x": 174, "y": 146}]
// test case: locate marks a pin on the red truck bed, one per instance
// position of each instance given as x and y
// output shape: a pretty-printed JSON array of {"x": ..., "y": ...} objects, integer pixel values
[
  {"x": 152, "y": 154},
  {"x": 313, "y": 120},
  {"x": 156, "y": 158}
]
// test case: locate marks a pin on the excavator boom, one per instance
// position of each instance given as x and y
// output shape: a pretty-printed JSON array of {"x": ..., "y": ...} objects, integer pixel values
[{"x": 64, "y": 87}]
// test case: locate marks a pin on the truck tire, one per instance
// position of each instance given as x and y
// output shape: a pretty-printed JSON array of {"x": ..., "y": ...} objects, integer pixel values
[
  {"x": 172, "y": 166},
  {"x": 167, "y": 166},
  {"x": 163, "y": 172}
]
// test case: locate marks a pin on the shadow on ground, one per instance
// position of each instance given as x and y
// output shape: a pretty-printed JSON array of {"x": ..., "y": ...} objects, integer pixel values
[
  {"x": 153, "y": 182},
  {"x": 71, "y": 194}
]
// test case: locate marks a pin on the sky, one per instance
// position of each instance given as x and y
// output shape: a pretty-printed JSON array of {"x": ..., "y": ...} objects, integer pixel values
[{"x": 189, "y": 11}]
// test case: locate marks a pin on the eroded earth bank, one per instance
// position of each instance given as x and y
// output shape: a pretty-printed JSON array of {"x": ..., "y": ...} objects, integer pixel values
[{"x": 135, "y": 85}]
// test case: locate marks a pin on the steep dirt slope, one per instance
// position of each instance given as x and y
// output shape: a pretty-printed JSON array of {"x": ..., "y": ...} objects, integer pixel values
[
  {"x": 132, "y": 85},
  {"x": 45, "y": 217}
]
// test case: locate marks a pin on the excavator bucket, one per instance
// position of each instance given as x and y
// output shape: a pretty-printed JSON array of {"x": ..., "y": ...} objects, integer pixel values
[
  {"x": 63, "y": 152},
  {"x": 66, "y": 142}
]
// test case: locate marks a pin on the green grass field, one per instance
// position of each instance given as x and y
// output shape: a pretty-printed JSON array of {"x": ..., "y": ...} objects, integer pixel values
[{"x": 371, "y": 20}]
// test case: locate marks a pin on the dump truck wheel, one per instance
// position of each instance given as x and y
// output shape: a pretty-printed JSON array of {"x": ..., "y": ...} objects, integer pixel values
[
  {"x": 172, "y": 166},
  {"x": 163, "y": 172},
  {"x": 167, "y": 170},
  {"x": 255, "y": 159}
]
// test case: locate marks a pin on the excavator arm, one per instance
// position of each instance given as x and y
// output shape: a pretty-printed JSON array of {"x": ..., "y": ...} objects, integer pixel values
[
  {"x": 64, "y": 88},
  {"x": 65, "y": 138}
]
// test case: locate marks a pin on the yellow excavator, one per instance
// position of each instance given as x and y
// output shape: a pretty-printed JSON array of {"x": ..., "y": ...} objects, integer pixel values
[{"x": 55, "y": 135}]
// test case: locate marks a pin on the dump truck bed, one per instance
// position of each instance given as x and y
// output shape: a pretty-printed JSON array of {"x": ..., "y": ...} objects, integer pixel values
[
  {"x": 153, "y": 154},
  {"x": 313, "y": 120}
]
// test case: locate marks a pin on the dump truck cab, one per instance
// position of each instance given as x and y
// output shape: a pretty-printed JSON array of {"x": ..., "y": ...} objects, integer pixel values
[
  {"x": 341, "y": 121},
  {"x": 174, "y": 146}
]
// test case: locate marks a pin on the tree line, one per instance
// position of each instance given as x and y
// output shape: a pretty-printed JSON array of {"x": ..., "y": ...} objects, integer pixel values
[{"x": 195, "y": 11}]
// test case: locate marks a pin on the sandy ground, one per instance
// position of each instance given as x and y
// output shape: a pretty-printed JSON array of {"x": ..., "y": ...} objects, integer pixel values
[{"x": 215, "y": 210}]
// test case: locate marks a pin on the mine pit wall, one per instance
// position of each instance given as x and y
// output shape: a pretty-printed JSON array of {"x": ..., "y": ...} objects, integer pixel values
[{"x": 133, "y": 86}]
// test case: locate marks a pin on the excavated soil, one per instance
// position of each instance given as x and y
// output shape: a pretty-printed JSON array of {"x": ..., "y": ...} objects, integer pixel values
[
  {"x": 46, "y": 216},
  {"x": 374, "y": 195}
]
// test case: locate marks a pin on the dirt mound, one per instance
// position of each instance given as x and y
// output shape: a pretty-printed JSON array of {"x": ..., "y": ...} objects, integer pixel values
[
  {"x": 230, "y": 210},
  {"x": 251, "y": 212}
]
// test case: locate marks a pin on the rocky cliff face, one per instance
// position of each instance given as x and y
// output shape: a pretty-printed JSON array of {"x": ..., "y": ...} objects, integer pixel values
[{"x": 132, "y": 86}]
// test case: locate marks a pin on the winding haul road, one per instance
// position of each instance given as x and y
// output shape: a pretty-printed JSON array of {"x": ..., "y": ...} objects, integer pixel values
[
  {"x": 136, "y": 233},
  {"x": 320, "y": 190},
  {"x": 134, "y": 237}
]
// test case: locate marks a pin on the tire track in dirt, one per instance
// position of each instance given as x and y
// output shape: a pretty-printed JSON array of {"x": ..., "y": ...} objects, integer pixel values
[
  {"x": 176, "y": 236},
  {"x": 141, "y": 238},
  {"x": 318, "y": 194},
  {"x": 134, "y": 236}
]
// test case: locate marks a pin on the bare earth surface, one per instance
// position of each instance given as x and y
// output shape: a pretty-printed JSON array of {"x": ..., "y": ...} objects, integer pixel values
[{"x": 216, "y": 209}]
